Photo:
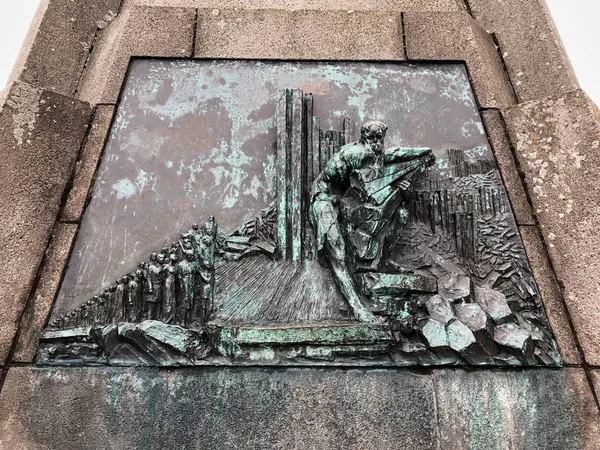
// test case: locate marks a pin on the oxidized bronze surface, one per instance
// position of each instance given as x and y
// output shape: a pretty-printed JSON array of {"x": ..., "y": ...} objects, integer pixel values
[
  {"x": 361, "y": 218},
  {"x": 198, "y": 138}
]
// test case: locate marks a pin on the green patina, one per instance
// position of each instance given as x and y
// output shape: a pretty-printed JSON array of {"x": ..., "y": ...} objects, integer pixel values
[
  {"x": 317, "y": 334},
  {"x": 225, "y": 341}
]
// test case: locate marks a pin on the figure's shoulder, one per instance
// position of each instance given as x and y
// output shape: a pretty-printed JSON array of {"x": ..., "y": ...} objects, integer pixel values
[{"x": 354, "y": 151}]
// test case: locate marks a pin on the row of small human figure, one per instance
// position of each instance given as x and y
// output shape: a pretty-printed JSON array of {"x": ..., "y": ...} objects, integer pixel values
[{"x": 176, "y": 287}]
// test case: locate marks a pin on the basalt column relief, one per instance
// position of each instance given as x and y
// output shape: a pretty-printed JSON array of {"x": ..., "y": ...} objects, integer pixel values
[{"x": 353, "y": 215}]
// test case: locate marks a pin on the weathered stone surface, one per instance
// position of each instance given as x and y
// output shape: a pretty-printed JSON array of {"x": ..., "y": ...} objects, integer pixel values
[
  {"x": 85, "y": 168},
  {"x": 514, "y": 339},
  {"x": 596, "y": 381},
  {"x": 137, "y": 31},
  {"x": 513, "y": 409},
  {"x": 479, "y": 323},
  {"x": 455, "y": 287},
  {"x": 530, "y": 45},
  {"x": 460, "y": 338},
  {"x": 439, "y": 309},
  {"x": 496, "y": 132},
  {"x": 40, "y": 136},
  {"x": 456, "y": 36},
  {"x": 435, "y": 334},
  {"x": 551, "y": 295},
  {"x": 38, "y": 308},
  {"x": 472, "y": 316},
  {"x": 557, "y": 142},
  {"x": 368, "y": 5},
  {"x": 277, "y": 34},
  {"x": 216, "y": 408},
  {"x": 494, "y": 303},
  {"x": 59, "y": 41}
]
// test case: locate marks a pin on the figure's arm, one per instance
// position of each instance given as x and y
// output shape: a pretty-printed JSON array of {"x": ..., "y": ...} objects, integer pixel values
[
  {"x": 400, "y": 154},
  {"x": 335, "y": 178}
]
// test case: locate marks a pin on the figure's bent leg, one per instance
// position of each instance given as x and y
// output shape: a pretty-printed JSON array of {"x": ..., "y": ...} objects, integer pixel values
[
  {"x": 399, "y": 222},
  {"x": 336, "y": 253}
]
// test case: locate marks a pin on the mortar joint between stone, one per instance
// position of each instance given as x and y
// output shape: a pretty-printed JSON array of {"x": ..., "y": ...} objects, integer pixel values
[
  {"x": 403, "y": 30},
  {"x": 195, "y": 33},
  {"x": 504, "y": 66}
]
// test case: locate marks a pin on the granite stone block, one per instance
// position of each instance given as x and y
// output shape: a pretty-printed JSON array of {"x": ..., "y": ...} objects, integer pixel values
[
  {"x": 85, "y": 168},
  {"x": 551, "y": 295},
  {"x": 137, "y": 31},
  {"x": 490, "y": 410},
  {"x": 456, "y": 36},
  {"x": 494, "y": 124},
  {"x": 557, "y": 143},
  {"x": 306, "y": 34},
  {"x": 362, "y": 5},
  {"x": 59, "y": 41},
  {"x": 37, "y": 310},
  {"x": 40, "y": 137},
  {"x": 596, "y": 381},
  {"x": 531, "y": 47},
  {"x": 216, "y": 408}
]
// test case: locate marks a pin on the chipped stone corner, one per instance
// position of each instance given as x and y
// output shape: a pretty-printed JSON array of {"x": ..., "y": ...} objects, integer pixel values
[{"x": 24, "y": 101}]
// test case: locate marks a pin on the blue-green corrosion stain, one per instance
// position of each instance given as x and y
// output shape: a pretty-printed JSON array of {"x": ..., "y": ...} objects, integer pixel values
[
  {"x": 226, "y": 343},
  {"x": 148, "y": 390},
  {"x": 112, "y": 400},
  {"x": 503, "y": 411}
]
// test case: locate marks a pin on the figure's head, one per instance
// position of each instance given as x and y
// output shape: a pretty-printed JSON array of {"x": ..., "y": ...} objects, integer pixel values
[
  {"x": 372, "y": 134},
  {"x": 153, "y": 256}
]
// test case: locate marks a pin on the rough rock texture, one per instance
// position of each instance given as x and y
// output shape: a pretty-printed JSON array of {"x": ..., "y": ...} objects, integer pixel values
[
  {"x": 596, "y": 381},
  {"x": 216, "y": 408},
  {"x": 496, "y": 132},
  {"x": 456, "y": 36},
  {"x": 455, "y": 287},
  {"x": 506, "y": 409},
  {"x": 369, "y": 5},
  {"x": 37, "y": 310},
  {"x": 137, "y": 31},
  {"x": 59, "y": 42},
  {"x": 551, "y": 295},
  {"x": 277, "y": 34},
  {"x": 85, "y": 168},
  {"x": 557, "y": 143},
  {"x": 530, "y": 45},
  {"x": 40, "y": 137}
]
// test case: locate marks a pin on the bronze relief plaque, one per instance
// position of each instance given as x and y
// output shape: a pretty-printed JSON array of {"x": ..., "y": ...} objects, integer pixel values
[{"x": 250, "y": 212}]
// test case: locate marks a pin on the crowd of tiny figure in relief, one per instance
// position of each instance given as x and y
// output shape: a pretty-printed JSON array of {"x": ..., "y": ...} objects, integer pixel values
[{"x": 175, "y": 286}]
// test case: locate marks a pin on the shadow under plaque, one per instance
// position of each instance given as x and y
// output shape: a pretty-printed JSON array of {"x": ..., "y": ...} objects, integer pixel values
[{"x": 348, "y": 214}]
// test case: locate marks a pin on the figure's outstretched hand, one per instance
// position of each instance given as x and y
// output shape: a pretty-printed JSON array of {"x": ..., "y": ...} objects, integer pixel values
[{"x": 404, "y": 185}]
